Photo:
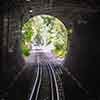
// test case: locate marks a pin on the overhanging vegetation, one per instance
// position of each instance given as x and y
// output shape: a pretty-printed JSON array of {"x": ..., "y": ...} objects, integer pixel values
[{"x": 44, "y": 30}]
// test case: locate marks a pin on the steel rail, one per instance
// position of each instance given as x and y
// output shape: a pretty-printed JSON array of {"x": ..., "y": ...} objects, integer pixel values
[
  {"x": 55, "y": 81},
  {"x": 58, "y": 71},
  {"x": 51, "y": 83},
  {"x": 35, "y": 83},
  {"x": 39, "y": 84}
]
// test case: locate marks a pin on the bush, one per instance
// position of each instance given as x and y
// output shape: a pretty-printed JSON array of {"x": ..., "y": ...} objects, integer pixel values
[
  {"x": 25, "y": 51},
  {"x": 59, "y": 52}
]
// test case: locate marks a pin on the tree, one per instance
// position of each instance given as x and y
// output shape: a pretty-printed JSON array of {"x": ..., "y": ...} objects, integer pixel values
[{"x": 45, "y": 30}]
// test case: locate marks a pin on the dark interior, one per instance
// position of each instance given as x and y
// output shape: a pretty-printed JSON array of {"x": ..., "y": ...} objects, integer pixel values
[{"x": 82, "y": 60}]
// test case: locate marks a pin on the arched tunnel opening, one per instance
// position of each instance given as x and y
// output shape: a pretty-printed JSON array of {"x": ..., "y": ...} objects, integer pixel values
[
  {"x": 45, "y": 78},
  {"x": 44, "y": 33}
]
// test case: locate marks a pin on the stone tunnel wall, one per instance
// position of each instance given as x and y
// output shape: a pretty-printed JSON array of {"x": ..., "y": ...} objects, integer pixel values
[
  {"x": 83, "y": 59},
  {"x": 12, "y": 60}
]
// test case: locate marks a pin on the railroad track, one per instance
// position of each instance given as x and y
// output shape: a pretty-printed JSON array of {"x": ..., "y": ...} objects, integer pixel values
[
  {"x": 58, "y": 73},
  {"x": 47, "y": 85},
  {"x": 40, "y": 81},
  {"x": 37, "y": 83},
  {"x": 54, "y": 87}
]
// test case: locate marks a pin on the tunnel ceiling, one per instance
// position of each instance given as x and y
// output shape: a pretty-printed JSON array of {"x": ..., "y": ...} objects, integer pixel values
[{"x": 62, "y": 9}]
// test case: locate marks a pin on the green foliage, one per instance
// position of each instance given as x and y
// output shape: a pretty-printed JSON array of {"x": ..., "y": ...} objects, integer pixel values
[
  {"x": 59, "y": 53},
  {"x": 44, "y": 30},
  {"x": 25, "y": 51}
]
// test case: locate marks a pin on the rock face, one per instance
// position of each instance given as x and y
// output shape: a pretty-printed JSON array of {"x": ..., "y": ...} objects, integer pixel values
[{"x": 83, "y": 57}]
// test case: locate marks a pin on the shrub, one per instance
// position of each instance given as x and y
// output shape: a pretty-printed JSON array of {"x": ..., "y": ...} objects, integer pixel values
[{"x": 25, "y": 51}]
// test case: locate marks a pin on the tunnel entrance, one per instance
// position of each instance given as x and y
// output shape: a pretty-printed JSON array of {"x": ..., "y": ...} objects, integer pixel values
[
  {"x": 43, "y": 45},
  {"x": 44, "y": 33}
]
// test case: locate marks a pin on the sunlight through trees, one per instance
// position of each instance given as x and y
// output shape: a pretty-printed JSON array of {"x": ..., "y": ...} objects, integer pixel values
[{"x": 44, "y": 31}]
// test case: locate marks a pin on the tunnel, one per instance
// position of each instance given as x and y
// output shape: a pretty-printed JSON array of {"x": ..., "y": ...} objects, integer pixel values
[{"x": 78, "y": 74}]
